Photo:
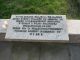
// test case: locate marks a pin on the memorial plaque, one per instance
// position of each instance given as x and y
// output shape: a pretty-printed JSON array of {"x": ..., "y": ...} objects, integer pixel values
[{"x": 37, "y": 27}]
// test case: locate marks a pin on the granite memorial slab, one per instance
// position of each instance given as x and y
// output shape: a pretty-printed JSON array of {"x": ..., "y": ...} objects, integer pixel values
[{"x": 37, "y": 27}]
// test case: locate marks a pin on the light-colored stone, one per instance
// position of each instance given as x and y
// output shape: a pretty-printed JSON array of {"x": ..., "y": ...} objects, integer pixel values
[
  {"x": 73, "y": 26},
  {"x": 15, "y": 21},
  {"x": 3, "y": 25}
]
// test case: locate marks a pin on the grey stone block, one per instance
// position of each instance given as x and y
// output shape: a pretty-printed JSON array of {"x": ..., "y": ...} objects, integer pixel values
[
  {"x": 54, "y": 52},
  {"x": 75, "y": 51},
  {"x": 5, "y": 51},
  {"x": 25, "y": 51}
]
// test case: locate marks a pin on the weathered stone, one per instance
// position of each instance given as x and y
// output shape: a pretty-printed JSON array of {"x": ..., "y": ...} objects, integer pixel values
[
  {"x": 38, "y": 27},
  {"x": 75, "y": 51},
  {"x": 5, "y": 51},
  {"x": 25, "y": 51},
  {"x": 54, "y": 52}
]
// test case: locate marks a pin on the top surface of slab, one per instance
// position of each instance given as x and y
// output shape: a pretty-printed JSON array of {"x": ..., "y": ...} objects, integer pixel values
[
  {"x": 37, "y": 27},
  {"x": 2, "y": 25},
  {"x": 73, "y": 26}
]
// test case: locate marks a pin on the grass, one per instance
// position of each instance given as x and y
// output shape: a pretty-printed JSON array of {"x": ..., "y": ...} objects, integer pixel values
[{"x": 9, "y": 7}]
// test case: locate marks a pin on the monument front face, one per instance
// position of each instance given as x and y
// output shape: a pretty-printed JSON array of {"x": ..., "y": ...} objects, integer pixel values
[{"x": 37, "y": 27}]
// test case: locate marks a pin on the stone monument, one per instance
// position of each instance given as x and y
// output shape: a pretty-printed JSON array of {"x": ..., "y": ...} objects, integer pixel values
[{"x": 38, "y": 27}]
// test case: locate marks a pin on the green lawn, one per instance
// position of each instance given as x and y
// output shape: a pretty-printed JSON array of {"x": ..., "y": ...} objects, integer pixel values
[{"x": 69, "y": 8}]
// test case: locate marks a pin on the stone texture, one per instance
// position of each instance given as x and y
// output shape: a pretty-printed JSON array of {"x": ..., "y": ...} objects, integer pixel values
[
  {"x": 32, "y": 29},
  {"x": 39, "y": 51},
  {"x": 5, "y": 51},
  {"x": 75, "y": 51},
  {"x": 74, "y": 38},
  {"x": 54, "y": 52},
  {"x": 3, "y": 25},
  {"x": 25, "y": 51}
]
